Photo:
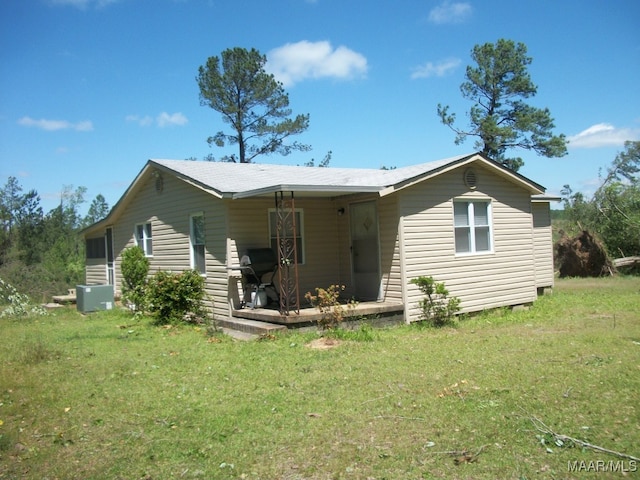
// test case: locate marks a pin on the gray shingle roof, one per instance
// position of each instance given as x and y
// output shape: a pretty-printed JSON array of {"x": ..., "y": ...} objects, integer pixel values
[{"x": 242, "y": 180}]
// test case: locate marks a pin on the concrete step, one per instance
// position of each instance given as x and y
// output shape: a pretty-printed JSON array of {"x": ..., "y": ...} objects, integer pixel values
[
  {"x": 238, "y": 335},
  {"x": 253, "y": 327}
]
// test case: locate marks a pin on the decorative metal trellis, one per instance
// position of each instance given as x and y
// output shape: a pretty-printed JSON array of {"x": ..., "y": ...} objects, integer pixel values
[{"x": 286, "y": 240}]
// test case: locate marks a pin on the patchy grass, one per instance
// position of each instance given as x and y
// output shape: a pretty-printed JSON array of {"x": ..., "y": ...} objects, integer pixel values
[{"x": 103, "y": 396}]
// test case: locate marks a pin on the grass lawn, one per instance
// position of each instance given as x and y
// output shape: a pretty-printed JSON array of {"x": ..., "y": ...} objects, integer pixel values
[{"x": 105, "y": 397}]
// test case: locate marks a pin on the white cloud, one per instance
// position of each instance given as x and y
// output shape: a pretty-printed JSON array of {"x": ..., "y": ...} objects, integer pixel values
[
  {"x": 166, "y": 120},
  {"x": 54, "y": 125},
  {"x": 162, "y": 120},
  {"x": 295, "y": 62},
  {"x": 438, "y": 69},
  {"x": 448, "y": 12},
  {"x": 603, "y": 135}
]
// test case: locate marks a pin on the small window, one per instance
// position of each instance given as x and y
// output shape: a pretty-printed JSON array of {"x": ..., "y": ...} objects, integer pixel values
[
  {"x": 288, "y": 233},
  {"x": 472, "y": 223},
  {"x": 96, "y": 248},
  {"x": 144, "y": 238},
  {"x": 197, "y": 239}
]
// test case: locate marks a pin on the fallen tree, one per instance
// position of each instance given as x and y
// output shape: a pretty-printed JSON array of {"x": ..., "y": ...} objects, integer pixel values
[{"x": 627, "y": 262}]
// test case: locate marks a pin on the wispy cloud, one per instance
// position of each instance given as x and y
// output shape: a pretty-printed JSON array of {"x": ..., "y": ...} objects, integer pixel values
[
  {"x": 143, "y": 121},
  {"x": 295, "y": 62},
  {"x": 54, "y": 125},
  {"x": 162, "y": 120},
  {"x": 603, "y": 135},
  {"x": 438, "y": 69},
  {"x": 448, "y": 12},
  {"x": 82, "y": 4}
]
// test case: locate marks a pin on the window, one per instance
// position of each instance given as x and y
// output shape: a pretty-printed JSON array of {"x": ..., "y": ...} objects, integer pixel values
[
  {"x": 287, "y": 233},
  {"x": 197, "y": 243},
  {"x": 472, "y": 223},
  {"x": 95, "y": 248},
  {"x": 143, "y": 238}
]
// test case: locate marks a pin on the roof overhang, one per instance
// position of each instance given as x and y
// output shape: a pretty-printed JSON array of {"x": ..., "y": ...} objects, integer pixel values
[
  {"x": 306, "y": 191},
  {"x": 545, "y": 198}
]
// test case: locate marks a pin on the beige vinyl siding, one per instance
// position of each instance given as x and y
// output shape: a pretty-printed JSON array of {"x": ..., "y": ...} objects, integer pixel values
[
  {"x": 322, "y": 242},
  {"x": 169, "y": 212},
  {"x": 542, "y": 244},
  {"x": 95, "y": 271},
  {"x": 390, "y": 249},
  {"x": 322, "y": 237},
  {"x": 343, "y": 238},
  {"x": 504, "y": 276}
]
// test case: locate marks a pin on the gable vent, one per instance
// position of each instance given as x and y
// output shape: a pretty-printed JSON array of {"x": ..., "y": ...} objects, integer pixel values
[{"x": 470, "y": 178}]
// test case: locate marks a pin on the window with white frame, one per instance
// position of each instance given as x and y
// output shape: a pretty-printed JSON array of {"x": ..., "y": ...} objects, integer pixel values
[
  {"x": 472, "y": 223},
  {"x": 144, "y": 238},
  {"x": 197, "y": 239},
  {"x": 288, "y": 232}
]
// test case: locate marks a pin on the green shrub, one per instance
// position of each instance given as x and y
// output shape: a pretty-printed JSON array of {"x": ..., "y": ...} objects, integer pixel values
[
  {"x": 135, "y": 268},
  {"x": 176, "y": 297},
  {"x": 438, "y": 309}
]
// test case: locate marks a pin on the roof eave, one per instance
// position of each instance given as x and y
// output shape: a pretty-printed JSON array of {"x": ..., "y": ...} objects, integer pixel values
[
  {"x": 545, "y": 198},
  {"x": 329, "y": 190}
]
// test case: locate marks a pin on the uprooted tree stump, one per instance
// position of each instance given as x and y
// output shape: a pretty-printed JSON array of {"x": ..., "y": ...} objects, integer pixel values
[{"x": 582, "y": 256}]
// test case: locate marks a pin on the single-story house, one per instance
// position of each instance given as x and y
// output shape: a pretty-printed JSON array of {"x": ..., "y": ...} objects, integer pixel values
[{"x": 467, "y": 221}]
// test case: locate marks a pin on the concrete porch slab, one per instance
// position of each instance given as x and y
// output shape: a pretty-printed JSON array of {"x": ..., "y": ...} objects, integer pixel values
[{"x": 312, "y": 315}]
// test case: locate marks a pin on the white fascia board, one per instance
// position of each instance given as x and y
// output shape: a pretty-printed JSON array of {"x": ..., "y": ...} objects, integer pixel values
[{"x": 325, "y": 189}]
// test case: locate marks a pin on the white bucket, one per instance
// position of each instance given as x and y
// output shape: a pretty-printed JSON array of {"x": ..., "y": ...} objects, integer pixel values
[{"x": 259, "y": 299}]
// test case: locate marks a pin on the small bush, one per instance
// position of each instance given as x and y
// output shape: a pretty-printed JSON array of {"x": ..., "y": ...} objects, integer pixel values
[
  {"x": 328, "y": 302},
  {"x": 438, "y": 309},
  {"x": 176, "y": 297},
  {"x": 135, "y": 269}
]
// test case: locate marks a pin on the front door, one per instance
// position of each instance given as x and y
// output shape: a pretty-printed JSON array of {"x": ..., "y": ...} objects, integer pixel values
[{"x": 365, "y": 251}]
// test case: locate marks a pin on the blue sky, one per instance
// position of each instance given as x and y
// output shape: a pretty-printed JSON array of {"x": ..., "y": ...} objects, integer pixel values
[{"x": 91, "y": 89}]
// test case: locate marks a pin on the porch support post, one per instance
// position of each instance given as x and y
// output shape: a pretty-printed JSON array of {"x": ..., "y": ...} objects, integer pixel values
[{"x": 286, "y": 240}]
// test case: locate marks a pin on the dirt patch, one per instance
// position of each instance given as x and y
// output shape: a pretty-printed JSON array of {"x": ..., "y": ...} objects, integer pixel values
[{"x": 324, "y": 343}]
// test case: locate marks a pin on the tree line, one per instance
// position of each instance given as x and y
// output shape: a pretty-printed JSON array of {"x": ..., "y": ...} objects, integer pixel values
[{"x": 42, "y": 254}]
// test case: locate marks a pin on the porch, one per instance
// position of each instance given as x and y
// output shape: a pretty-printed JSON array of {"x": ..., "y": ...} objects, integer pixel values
[{"x": 311, "y": 315}]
